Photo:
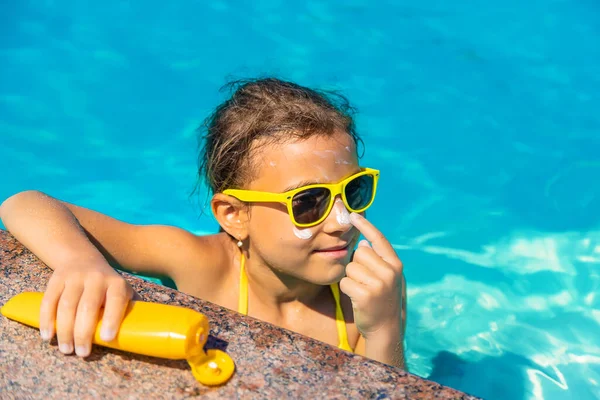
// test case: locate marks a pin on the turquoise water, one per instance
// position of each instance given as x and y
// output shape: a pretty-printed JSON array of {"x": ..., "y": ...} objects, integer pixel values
[{"x": 482, "y": 116}]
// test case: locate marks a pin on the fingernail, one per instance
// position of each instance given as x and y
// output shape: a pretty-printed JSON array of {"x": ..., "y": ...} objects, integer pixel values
[
  {"x": 65, "y": 348},
  {"x": 45, "y": 334},
  {"x": 363, "y": 243},
  {"x": 354, "y": 217},
  {"x": 82, "y": 350},
  {"x": 107, "y": 334}
]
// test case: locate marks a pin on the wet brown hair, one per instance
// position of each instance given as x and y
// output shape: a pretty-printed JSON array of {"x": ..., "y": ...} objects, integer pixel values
[{"x": 260, "y": 112}]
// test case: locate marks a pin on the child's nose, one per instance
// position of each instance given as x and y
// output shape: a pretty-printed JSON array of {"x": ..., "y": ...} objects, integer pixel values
[{"x": 339, "y": 217}]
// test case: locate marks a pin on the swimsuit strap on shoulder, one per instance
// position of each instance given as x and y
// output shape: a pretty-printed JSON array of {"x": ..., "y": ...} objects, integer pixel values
[
  {"x": 243, "y": 300},
  {"x": 339, "y": 319}
]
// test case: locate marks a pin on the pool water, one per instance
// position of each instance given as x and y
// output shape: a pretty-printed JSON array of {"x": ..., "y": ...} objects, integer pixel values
[{"x": 482, "y": 116}]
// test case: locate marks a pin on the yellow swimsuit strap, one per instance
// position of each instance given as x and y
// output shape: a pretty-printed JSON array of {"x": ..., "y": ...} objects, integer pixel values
[
  {"x": 243, "y": 300},
  {"x": 339, "y": 319},
  {"x": 339, "y": 314}
]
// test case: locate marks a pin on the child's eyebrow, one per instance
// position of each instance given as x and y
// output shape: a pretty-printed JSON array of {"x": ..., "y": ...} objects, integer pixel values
[
  {"x": 299, "y": 185},
  {"x": 306, "y": 183}
]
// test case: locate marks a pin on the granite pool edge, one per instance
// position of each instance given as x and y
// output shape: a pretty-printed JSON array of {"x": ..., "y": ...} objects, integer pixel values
[{"x": 270, "y": 362}]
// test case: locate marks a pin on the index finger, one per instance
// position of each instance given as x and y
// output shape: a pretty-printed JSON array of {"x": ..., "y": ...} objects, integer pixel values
[{"x": 379, "y": 242}]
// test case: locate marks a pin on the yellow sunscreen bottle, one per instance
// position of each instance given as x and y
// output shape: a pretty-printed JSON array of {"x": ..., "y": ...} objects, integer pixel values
[{"x": 151, "y": 329}]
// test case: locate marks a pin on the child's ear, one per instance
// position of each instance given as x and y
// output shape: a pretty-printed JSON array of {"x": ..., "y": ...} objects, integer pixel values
[{"x": 231, "y": 214}]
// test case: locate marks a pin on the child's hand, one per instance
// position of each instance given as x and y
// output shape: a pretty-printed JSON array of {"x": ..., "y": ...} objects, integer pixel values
[
  {"x": 374, "y": 282},
  {"x": 74, "y": 297}
]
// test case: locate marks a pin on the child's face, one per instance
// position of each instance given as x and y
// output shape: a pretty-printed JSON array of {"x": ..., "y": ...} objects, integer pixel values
[{"x": 274, "y": 238}]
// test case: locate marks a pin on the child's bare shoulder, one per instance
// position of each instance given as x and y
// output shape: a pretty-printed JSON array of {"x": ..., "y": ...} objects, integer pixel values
[{"x": 198, "y": 263}]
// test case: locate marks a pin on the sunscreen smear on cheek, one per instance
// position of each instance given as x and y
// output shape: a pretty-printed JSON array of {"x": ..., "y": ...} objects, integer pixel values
[{"x": 302, "y": 233}]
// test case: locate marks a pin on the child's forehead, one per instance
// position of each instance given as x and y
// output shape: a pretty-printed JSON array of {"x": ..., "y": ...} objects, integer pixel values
[
  {"x": 339, "y": 145},
  {"x": 321, "y": 150},
  {"x": 318, "y": 159}
]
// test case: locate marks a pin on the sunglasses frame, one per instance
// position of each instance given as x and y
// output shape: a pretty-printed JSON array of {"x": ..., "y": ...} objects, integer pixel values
[{"x": 254, "y": 196}]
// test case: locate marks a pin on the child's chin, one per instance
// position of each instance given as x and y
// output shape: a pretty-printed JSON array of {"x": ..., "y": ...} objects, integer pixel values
[{"x": 334, "y": 274}]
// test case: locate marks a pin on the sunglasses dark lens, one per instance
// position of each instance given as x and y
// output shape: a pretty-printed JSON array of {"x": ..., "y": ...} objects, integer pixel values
[
  {"x": 359, "y": 192},
  {"x": 309, "y": 205}
]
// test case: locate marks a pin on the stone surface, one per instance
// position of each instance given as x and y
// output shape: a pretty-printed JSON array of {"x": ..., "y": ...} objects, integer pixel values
[{"x": 270, "y": 362}]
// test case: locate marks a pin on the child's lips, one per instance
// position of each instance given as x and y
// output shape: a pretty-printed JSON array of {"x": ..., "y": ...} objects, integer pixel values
[{"x": 334, "y": 251}]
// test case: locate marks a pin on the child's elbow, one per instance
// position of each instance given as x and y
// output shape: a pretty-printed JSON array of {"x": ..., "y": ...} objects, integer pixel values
[{"x": 14, "y": 199}]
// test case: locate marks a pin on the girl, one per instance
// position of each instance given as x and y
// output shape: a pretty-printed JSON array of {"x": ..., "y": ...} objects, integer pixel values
[{"x": 289, "y": 194}]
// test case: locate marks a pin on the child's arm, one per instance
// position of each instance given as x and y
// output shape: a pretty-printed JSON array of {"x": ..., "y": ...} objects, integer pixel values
[
  {"x": 56, "y": 232},
  {"x": 375, "y": 284},
  {"x": 80, "y": 245}
]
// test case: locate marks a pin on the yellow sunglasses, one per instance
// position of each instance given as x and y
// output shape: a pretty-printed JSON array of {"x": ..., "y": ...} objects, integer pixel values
[{"x": 310, "y": 205}]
